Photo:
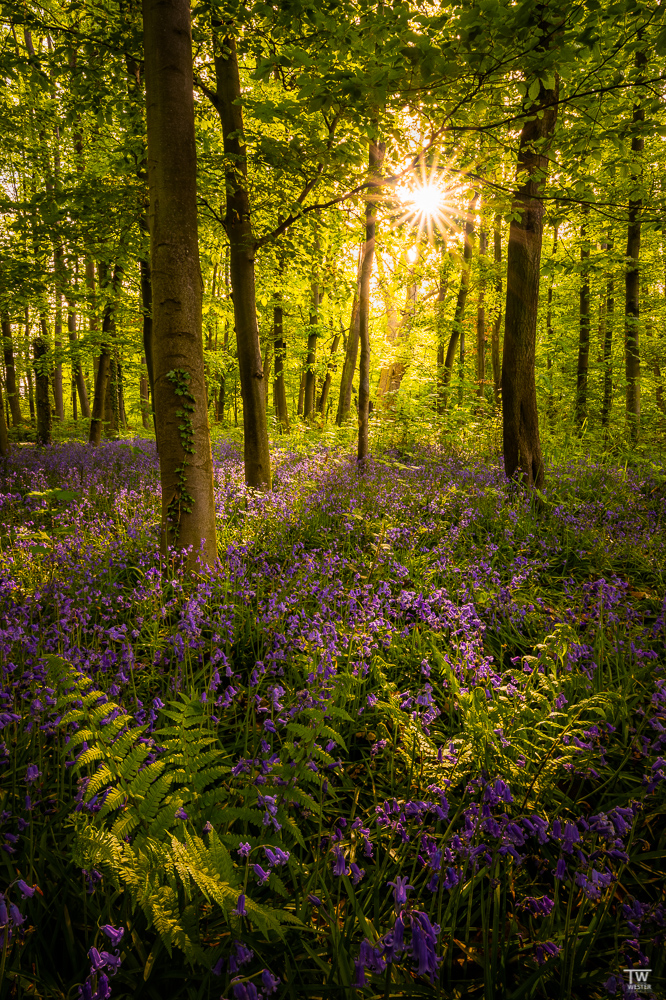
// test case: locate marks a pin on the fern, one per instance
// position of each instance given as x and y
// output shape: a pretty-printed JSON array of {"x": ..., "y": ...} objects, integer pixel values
[{"x": 136, "y": 839}]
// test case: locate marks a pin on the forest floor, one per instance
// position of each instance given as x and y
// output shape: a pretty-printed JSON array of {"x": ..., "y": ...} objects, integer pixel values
[{"x": 407, "y": 740}]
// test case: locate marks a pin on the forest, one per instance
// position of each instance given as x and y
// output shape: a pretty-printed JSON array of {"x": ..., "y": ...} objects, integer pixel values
[{"x": 332, "y": 555}]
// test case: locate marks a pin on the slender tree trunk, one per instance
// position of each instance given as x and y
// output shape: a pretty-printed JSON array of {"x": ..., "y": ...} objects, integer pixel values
[
  {"x": 4, "y": 437},
  {"x": 440, "y": 401},
  {"x": 375, "y": 162},
  {"x": 652, "y": 355},
  {"x": 10, "y": 371},
  {"x": 351, "y": 354},
  {"x": 632, "y": 274},
  {"x": 77, "y": 371},
  {"x": 57, "y": 330},
  {"x": 584, "y": 328},
  {"x": 301, "y": 395},
  {"x": 481, "y": 320},
  {"x": 497, "y": 323},
  {"x": 31, "y": 395},
  {"x": 607, "y": 349},
  {"x": 323, "y": 399},
  {"x": 147, "y": 338},
  {"x": 457, "y": 330},
  {"x": 279, "y": 393},
  {"x": 549, "y": 334},
  {"x": 181, "y": 411},
  {"x": 144, "y": 395},
  {"x": 242, "y": 251},
  {"x": 268, "y": 363},
  {"x": 100, "y": 412},
  {"x": 392, "y": 325},
  {"x": 522, "y": 447},
  {"x": 313, "y": 334},
  {"x": 40, "y": 347},
  {"x": 399, "y": 329}
]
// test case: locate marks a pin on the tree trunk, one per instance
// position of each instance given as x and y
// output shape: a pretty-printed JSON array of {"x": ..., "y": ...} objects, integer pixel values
[
  {"x": 144, "y": 396},
  {"x": 580, "y": 412},
  {"x": 10, "y": 371},
  {"x": 31, "y": 395},
  {"x": 242, "y": 251},
  {"x": 279, "y": 393},
  {"x": 147, "y": 335},
  {"x": 608, "y": 356},
  {"x": 313, "y": 334},
  {"x": 267, "y": 364},
  {"x": 181, "y": 412},
  {"x": 440, "y": 402},
  {"x": 520, "y": 419},
  {"x": 481, "y": 321},
  {"x": 459, "y": 315},
  {"x": 77, "y": 371},
  {"x": 497, "y": 324},
  {"x": 100, "y": 410},
  {"x": 301, "y": 395},
  {"x": 399, "y": 331},
  {"x": 375, "y": 160},
  {"x": 323, "y": 399},
  {"x": 57, "y": 331},
  {"x": 4, "y": 437},
  {"x": 549, "y": 334},
  {"x": 632, "y": 275},
  {"x": 40, "y": 347},
  {"x": 351, "y": 353}
]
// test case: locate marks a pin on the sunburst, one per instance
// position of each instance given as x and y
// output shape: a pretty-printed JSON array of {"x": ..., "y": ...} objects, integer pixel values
[{"x": 428, "y": 200}]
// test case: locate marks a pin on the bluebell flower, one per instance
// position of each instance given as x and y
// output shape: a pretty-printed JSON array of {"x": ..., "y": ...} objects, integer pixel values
[
  {"x": 25, "y": 889},
  {"x": 180, "y": 813},
  {"x": 244, "y": 850},
  {"x": 240, "y": 910},
  {"x": 261, "y": 874},
  {"x": 269, "y": 982},
  {"x": 340, "y": 866},
  {"x": 114, "y": 934},
  {"x": 400, "y": 889},
  {"x": 356, "y": 872}
]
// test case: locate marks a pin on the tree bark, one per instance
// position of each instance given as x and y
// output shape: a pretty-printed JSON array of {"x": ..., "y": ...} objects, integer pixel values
[
  {"x": 280, "y": 347},
  {"x": 10, "y": 371},
  {"x": 4, "y": 437},
  {"x": 481, "y": 321},
  {"x": 242, "y": 251},
  {"x": 497, "y": 324},
  {"x": 391, "y": 376},
  {"x": 375, "y": 161},
  {"x": 180, "y": 400},
  {"x": 100, "y": 412},
  {"x": 40, "y": 347},
  {"x": 57, "y": 333},
  {"x": 311, "y": 362},
  {"x": 77, "y": 370},
  {"x": 458, "y": 316},
  {"x": 549, "y": 334},
  {"x": 632, "y": 275},
  {"x": 580, "y": 412},
  {"x": 323, "y": 399},
  {"x": 351, "y": 354},
  {"x": 607, "y": 349},
  {"x": 520, "y": 419},
  {"x": 440, "y": 401},
  {"x": 31, "y": 395}
]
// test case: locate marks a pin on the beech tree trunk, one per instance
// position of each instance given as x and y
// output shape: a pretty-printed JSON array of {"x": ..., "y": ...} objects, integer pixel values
[
  {"x": 10, "y": 371},
  {"x": 100, "y": 412},
  {"x": 607, "y": 352},
  {"x": 440, "y": 401},
  {"x": 351, "y": 354},
  {"x": 330, "y": 368},
  {"x": 313, "y": 334},
  {"x": 57, "y": 332},
  {"x": 459, "y": 315},
  {"x": 375, "y": 161},
  {"x": 242, "y": 250},
  {"x": 495, "y": 353},
  {"x": 4, "y": 437},
  {"x": 632, "y": 358},
  {"x": 40, "y": 347},
  {"x": 520, "y": 419},
  {"x": 481, "y": 321},
  {"x": 26, "y": 353},
  {"x": 390, "y": 378},
  {"x": 549, "y": 334},
  {"x": 584, "y": 328},
  {"x": 77, "y": 371},
  {"x": 180, "y": 399},
  {"x": 280, "y": 348}
]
